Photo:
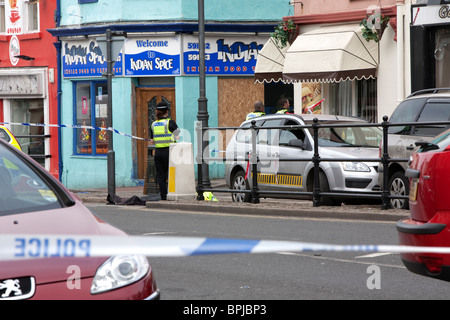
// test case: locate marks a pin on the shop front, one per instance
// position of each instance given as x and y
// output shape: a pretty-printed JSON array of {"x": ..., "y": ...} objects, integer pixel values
[{"x": 149, "y": 69}]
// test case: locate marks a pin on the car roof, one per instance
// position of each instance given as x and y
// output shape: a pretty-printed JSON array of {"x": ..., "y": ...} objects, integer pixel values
[
  {"x": 434, "y": 92},
  {"x": 311, "y": 117}
]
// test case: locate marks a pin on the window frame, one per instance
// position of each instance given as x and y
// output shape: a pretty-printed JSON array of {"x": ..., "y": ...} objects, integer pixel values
[{"x": 93, "y": 112}]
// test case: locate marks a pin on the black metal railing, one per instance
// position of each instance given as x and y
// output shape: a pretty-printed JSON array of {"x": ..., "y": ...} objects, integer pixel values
[{"x": 316, "y": 194}]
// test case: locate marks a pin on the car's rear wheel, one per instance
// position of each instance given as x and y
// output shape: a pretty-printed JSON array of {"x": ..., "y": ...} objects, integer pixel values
[
  {"x": 399, "y": 186},
  {"x": 240, "y": 183}
]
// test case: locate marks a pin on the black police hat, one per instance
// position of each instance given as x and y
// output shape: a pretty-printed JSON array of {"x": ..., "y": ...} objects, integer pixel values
[{"x": 162, "y": 106}]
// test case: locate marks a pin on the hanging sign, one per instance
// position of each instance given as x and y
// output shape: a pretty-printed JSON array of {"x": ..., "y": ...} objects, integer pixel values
[{"x": 224, "y": 55}]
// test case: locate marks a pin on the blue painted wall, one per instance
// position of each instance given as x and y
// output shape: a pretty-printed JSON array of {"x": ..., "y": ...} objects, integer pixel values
[{"x": 185, "y": 10}]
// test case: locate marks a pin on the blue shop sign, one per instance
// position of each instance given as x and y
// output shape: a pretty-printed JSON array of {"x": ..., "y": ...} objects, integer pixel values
[
  {"x": 223, "y": 56},
  {"x": 159, "y": 56},
  {"x": 84, "y": 59}
]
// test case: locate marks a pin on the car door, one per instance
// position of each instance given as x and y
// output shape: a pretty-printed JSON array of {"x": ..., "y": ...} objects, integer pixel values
[
  {"x": 293, "y": 144},
  {"x": 268, "y": 153}
]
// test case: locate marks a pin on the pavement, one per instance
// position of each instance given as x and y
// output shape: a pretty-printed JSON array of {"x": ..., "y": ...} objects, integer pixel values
[{"x": 266, "y": 207}]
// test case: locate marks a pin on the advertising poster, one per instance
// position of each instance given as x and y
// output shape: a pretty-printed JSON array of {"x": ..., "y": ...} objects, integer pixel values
[
  {"x": 223, "y": 56},
  {"x": 312, "y": 98},
  {"x": 158, "y": 56},
  {"x": 14, "y": 17}
]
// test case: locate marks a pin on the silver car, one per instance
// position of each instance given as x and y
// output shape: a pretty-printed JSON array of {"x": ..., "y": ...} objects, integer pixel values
[{"x": 275, "y": 144}]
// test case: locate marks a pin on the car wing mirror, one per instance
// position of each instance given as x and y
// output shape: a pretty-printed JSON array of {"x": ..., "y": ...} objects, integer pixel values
[{"x": 298, "y": 143}]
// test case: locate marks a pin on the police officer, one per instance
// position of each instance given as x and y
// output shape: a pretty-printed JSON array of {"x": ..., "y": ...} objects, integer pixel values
[
  {"x": 164, "y": 131},
  {"x": 284, "y": 105},
  {"x": 259, "y": 111}
]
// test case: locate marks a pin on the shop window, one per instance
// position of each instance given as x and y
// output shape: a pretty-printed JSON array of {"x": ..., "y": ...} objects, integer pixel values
[
  {"x": 354, "y": 98},
  {"x": 91, "y": 111},
  {"x": 32, "y": 139}
]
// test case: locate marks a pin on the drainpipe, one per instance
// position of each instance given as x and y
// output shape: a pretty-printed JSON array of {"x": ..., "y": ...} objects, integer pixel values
[
  {"x": 400, "y": 53},
  {"x": 58, "y": 62}
]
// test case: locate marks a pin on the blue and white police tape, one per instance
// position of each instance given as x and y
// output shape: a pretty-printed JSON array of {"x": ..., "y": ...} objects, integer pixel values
[
  {"x": 75, "y": 126},
  {"x": 15, "y": 247}
]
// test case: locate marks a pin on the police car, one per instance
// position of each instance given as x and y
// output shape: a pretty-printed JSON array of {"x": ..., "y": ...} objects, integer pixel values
[
  {"x": 6, "y": 135},
  {"x": 45, "y": 220}
]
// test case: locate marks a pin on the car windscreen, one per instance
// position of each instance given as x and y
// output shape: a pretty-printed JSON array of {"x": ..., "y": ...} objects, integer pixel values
[
  {"x": 4, "y": 135},
  {"x": 22, "y": 188},
  {"x": 344, "y": 136}
]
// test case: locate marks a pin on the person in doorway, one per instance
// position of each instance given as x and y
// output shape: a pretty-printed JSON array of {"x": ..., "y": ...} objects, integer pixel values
[
  {"x": 164, "y": 131},
  {"x": 259, "y": 111},
  {"x": 283, "y": 105}
]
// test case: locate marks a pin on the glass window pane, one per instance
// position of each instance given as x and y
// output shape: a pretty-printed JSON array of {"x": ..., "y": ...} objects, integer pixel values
[
  {"x": 101, "y": 117},
  {"x": 31, "y": 138},
  {"x": 83, "y": 118}
]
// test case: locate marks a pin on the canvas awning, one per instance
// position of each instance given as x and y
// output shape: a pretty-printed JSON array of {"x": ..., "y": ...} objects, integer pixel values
[
  {"x": 270, "y": 62},
  {"x": 331, "y": 54}
]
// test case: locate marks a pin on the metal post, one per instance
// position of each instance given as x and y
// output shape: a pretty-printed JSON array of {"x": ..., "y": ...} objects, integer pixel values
[
  {"x": 384, "y": 160},
  {"x": 316, "y": 161},
  {"x": 254, "y": 162},
  {"x": 202, "y": 115},
  {"x": 199, "y": 131},
  {"x": 111, "y": 157}
]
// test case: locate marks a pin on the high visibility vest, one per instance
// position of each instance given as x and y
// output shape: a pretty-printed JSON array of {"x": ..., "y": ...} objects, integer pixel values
[
  {"x": 254, "y": 115},
  {"x": 161, "y": 134},
  {"x": 282, "y": 111}
]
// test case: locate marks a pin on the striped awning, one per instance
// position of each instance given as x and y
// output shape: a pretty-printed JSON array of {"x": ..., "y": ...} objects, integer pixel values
[
  {"x": 270, "y": 62},
  {"x": 331, "y": 54}
]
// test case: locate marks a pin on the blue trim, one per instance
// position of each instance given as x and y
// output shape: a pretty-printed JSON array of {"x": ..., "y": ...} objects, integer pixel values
[
  {"x": 163, "y": 27},
  {"x": 86, "y": 1}
]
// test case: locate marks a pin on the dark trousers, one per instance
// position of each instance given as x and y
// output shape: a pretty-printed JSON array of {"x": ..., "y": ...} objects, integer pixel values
[{"x": 162, "y": 170}]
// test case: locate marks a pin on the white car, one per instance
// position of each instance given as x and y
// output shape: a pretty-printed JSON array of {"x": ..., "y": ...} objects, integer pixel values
[{"x": 293, "y": 178}]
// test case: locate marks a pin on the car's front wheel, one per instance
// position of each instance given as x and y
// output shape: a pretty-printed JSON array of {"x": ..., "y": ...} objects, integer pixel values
[
  {"x": 240, "y": 183},
  {"x": 399, "y": 186}
]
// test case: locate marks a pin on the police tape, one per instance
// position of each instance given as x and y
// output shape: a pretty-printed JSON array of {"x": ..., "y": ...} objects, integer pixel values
[
  {"x": 75, "y": 126},
  {"x": 18, "y": 247}
]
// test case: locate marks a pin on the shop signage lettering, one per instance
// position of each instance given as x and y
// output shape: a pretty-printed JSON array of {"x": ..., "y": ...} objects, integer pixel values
[
  {"x": 152, "y": 57},
  {"x": 444, "y": 12},
  {"x": 84, "y": 58},
  {"x": 224, "y": 56},
  {"x": 237, "y": 51},
  {"x": 143, "y": 57},
  {"x": 430, "y": 15}
]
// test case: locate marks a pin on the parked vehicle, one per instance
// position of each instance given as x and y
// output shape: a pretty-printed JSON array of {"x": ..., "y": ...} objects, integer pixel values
[
  {"x": 290, "y": 143},
  {"x": 7, "y": 135},
  {"x": 422, "y": 106},
  {"x": 32, "y": 202},
  {"x": 429, "y": 221}
]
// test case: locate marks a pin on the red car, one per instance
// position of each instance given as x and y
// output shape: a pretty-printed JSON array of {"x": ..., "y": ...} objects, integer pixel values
[
  {"x": 32, "y": 202},
  {"x": 429, "y": 221}
]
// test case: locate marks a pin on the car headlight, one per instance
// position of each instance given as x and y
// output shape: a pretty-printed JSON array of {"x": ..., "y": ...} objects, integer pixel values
[
  {"x": 119, "y": 271},
  {"x": 355, "y": 166}
]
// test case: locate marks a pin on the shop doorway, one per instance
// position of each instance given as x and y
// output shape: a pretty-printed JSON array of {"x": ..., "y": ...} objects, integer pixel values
[{"x": 147, "y": 99}]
